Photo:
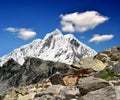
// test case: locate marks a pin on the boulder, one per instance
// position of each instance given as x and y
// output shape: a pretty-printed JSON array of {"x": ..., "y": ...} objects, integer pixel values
[
  {"x": 102, "y": 57},
  {"x": 85, "y": 63},
  {"x": 70, "y": 80},
  {"x": 115, "y": 57},
  {"x": 88, "y": 84},
  {"x": 100, "y": 73},
  {"x": 115, "y": 50},
  {"x": 90, "y": 63},
  {"x": 118, "y": 47},
  {"x": 99, "y": 65},
  {"x": 56, "y": 79},
  {"x": 116, "y": 68},
  {"x": 107, "y": 93},
  {"x": 111, "y": 63}
]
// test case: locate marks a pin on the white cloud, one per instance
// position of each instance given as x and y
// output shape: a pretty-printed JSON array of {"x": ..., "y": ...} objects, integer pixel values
[
  {"x": 11, "y": 29},
  {"x": 81, "y": 22},
  {"x": 26, "y": 34},
  {"x": 22, "y": 33},
  {"x": 101, "y": 38}
]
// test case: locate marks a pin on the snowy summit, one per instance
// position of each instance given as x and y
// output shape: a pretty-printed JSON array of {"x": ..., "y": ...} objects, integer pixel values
[{"x": 54, "y": 47}]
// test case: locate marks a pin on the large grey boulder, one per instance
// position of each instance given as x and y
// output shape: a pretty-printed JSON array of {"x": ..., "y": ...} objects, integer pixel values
[
  {"x": 108, "y": 93},
  {"x": 88, "y": 84}
]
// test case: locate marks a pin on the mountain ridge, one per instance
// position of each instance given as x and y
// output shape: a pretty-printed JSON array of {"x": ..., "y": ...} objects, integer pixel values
[{"x": 54, "y": 47}]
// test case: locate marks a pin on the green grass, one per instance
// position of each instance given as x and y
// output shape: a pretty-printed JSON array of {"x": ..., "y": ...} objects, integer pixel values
[{"x": 108, "y": 75}]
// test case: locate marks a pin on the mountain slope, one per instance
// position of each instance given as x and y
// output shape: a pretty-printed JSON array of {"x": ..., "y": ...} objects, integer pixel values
[
  {"x": 32, "y": 71},
  {"x": 55, "y": 47}
]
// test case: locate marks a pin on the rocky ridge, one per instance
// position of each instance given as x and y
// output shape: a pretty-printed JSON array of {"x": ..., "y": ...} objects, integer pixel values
[
  {"x": 32, "y": 71},
  {"x": 95, "y": 78}
]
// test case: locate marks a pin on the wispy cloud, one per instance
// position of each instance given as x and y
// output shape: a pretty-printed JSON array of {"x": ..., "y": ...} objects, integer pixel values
[
  {"x": 22, "y": 33},
  {"x": 101, "y": 38},
  {"x": 11, "y": 29},
  {"x": 81, "y": 22}
]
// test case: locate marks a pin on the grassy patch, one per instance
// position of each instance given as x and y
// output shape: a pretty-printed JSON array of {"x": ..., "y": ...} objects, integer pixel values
[{"x": 108, "y": 75}]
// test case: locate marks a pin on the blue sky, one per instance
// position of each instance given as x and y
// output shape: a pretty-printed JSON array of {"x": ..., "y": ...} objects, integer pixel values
[{"x": 94, "y": 22}]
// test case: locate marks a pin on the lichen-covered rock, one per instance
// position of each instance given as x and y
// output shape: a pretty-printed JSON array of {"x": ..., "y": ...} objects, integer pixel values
[
  {"x": 85, "y": 63},
  {"x": 90, "y": 63},
  {"x": 99, "y": 65}
]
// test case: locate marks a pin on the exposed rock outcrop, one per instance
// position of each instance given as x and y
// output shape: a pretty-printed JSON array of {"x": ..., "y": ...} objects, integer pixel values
[{"x": 33, "y": 70}]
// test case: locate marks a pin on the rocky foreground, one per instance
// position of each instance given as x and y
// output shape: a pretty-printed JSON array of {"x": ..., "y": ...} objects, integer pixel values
[{"x": 95, "y": 78}]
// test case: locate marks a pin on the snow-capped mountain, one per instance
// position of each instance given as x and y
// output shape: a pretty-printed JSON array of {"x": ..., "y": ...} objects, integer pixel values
[{"x": 55, "y": 47}]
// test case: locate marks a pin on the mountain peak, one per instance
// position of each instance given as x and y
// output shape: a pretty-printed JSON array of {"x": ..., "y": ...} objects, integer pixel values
[
  {"x": 54, "y": 47},
  {"x": 55, "y": 32}
]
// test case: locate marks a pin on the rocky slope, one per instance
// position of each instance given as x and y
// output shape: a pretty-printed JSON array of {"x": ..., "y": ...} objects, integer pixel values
[
  {"x": 32, "y": 71},
  {"x": 95, "y": 78},
  {"x": 54, "y": 47}
]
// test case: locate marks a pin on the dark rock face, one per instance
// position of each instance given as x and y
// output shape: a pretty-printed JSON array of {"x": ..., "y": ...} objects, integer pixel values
[
  {"x": 8, "y": 74},
  {"x": 34, "y": 70}
]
